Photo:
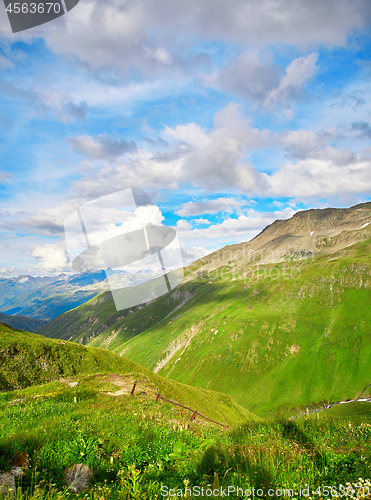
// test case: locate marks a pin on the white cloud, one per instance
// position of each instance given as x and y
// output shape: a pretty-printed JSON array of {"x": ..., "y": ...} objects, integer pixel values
[
  {"x": 53, "y": 257},
  {"x": 209, "y": 159},
  {"x": 103, "y": 146},
  {"x": 48, "y": 221},
  {"x": 193, "y": 253},
  {"x": 222, "y": 162},
  {"x": 7, "y": 271},
  {"x": 250, "y": 76},
  {"x": 210, "y": 207},
  {"x": 183, "y": 225},
  {"x": 111, "y": 33},
  {"x": 217, "y": 159},
  {"x": 301, "y": 143},
  {"x": 205, "y": 222},
  {"x": 327, "y": 172},
  {"x": 192, "y": 134},
  {"x": 234, "y": 230},
  {"x": 297, "y": 73}
]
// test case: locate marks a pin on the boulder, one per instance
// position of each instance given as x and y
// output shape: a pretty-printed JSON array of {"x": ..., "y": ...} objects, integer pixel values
[
  {"x": 7, "y": 485},
  {"x": 78, "y": 477}
]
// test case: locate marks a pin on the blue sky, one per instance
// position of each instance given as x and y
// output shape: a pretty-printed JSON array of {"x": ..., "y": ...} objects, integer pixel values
[{"x": 222, "y": 116}]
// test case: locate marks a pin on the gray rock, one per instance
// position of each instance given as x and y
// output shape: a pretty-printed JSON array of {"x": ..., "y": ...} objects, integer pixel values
[
  {"x": 78, "y": 477},
  {"x": 7, "y": 485}
]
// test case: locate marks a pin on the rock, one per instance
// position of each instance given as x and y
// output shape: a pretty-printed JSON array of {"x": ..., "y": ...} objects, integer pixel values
[
  {"x": 19, "y": 464},
  {"x": 7, "y": 485},
  {"x": 78, "y": 477}
]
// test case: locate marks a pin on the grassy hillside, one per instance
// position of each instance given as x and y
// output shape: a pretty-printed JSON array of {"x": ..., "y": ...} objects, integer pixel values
[
  {"x": 286, "y": 315},
  {"x": 27, "y": 359},
  {"x": 291, "y": 342},
  {"x": 135, "y": 445},
  {"x": 99, "y": 315}
]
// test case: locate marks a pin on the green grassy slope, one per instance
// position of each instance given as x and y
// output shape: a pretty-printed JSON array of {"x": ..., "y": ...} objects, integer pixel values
[
  {"x": 271, "y": 343},
  {"x": 135, "y": 445},
  {"x": 280, "y": 322},
  {"x": 27, "y": 359},
  {"x": 99, "y": 315}
]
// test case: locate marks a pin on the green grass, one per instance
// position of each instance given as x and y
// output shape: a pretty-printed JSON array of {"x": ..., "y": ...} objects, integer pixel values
[
  {"x": 27, "y": 359},
  {"x": 135, "y": 445},
  {"x": 272, "y": 344},
  {"x": 291, "y": 342}
]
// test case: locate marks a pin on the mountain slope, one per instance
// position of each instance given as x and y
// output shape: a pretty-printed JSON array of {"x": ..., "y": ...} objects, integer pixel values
[
  {"x": 99, "y": 315},
  {"x": 22, "y": 322},
  {"x": 286, "y": 315},
  {"x": 27, "y": 359},
  {"x": 271, "y": 343}
]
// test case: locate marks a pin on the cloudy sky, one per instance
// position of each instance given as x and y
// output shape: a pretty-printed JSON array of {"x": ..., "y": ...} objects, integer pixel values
[{"x": 222, "y": 116}]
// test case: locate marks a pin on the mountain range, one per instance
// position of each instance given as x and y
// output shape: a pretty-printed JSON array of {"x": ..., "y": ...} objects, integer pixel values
[
  {"x": 47, "y": 297},
  {"x": 280, "y": 322}
]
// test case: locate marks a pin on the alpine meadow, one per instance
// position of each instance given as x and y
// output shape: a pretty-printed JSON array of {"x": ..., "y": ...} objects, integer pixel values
[{"x": 185, "y": 249}]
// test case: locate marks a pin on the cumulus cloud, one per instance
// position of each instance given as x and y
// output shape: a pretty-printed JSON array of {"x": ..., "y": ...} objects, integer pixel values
[
  {"x": 249, "y": 76},
  {"x": 48, "y": 221},
  {"x": 221, "y": 161},
  {"x": 218, "y": 159},
  {"x": 326, "y": 172},
  {"x": 210, "y": 207},
  {"x": 211, "y": 159},
  {"x": 6, "y": 271},
  {"x": 183, "y": 225},
  {"x": 239, "y": 229},
  {"x": 52, "y": 257},
  {"x": 191, "y": 254},
  {"x": 301, "y": 143},
  {"x": 110, "y": 33},
  {"x": 45, "y": 101},
  {"x": 102, "y": 146}
]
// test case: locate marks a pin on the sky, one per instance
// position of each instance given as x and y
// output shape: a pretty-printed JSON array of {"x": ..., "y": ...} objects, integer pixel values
[{"x": 221, "y": 116}]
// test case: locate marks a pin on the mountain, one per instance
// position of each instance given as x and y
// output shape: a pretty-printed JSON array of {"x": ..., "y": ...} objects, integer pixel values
[
  {"x": 12, "y": 287},
  {"x": 22, "y": 322},
  {"x": 48, "y": 297},
  {"x": 27, "y": 359},
  {"x": 280, "y": 322}
]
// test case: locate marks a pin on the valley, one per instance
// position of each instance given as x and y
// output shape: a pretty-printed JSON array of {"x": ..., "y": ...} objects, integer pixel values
[
  {"x": 286, "y": 315},
  {"x": 233, "y": 379}
]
